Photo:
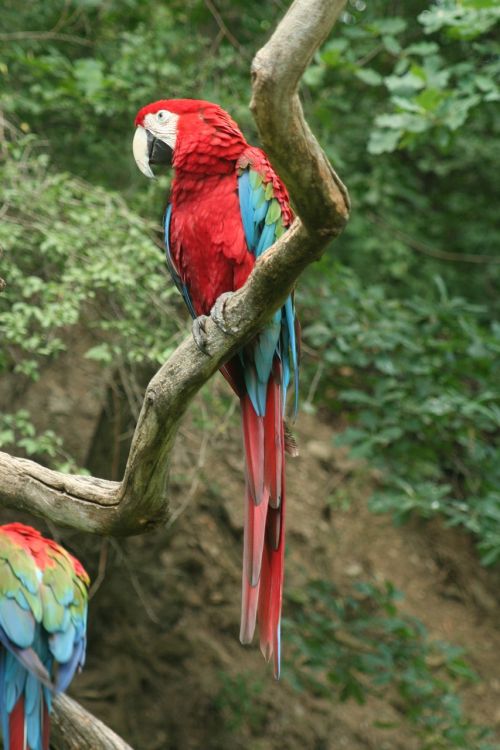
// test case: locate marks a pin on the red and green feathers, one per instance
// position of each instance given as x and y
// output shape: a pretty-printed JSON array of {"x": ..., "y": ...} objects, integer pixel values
[
  {"x": 227, "y": 207},
  {"x": 43, "y": 616}
]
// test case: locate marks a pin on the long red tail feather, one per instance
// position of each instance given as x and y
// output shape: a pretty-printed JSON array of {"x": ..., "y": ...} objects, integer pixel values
[
  {"x": 45, "y": 727},
  {"x": 263, "y": 554},
  {"x": 18, "y": 739},
  {"x": 16, "y": 726}
]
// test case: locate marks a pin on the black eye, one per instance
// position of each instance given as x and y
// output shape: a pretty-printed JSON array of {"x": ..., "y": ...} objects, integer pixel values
[{"x": 162, "y": 115}]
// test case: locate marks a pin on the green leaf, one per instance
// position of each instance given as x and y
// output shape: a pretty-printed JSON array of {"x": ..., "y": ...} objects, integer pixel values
[
  {"x": 383, "y": 141},
  {"x": 369, "y": 76}
]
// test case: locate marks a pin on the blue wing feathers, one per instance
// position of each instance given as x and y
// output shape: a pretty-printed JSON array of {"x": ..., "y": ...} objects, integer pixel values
[
  {"x": 61, "y": 644},
  {"x": 32, "y": 710},
  {"x": 278, "y": 338},
  {"x": 246, "y": 208},
  {"x": 18, "y": 624},
  {"x": 171, "y": 265},
  {"x": 68, "y": 669},
  {"x": 290, "y": 325},
  {"x": 267, "y": 238},
  {"x": 29, "y": 649}
]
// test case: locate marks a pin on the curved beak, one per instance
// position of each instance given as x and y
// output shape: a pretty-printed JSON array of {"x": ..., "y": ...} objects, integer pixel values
[
  {"x": 141, "y": 151},
  {"x": 149, "y": 150}
]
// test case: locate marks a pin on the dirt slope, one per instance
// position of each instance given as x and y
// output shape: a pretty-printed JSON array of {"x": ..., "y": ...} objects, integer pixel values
[{"x": 165, "y": 667}]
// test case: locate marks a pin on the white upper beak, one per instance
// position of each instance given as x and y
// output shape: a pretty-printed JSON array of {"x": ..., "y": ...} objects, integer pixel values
[{"x": 141, "y": 152}]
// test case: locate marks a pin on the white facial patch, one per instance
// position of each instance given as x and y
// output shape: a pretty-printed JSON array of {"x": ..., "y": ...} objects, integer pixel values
[{"x": 163, "y": 125}]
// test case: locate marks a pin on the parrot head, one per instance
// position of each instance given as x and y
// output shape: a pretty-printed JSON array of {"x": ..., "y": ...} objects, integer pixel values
[{"x": 185, "y": 133}]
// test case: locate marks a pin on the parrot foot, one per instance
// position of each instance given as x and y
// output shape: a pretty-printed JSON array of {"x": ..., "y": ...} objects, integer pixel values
[
  {"x": 218, "y": 315},
  {"x": 200, "y": 334}
]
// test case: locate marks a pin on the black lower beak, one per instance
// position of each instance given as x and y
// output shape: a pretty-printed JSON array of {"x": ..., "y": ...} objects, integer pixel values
[{"x": 158, "y": 151}]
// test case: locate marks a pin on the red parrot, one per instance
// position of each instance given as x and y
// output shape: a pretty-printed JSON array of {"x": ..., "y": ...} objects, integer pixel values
[
  {"x": 227, "y": 206},
  {"x": 43, "y": 616}
]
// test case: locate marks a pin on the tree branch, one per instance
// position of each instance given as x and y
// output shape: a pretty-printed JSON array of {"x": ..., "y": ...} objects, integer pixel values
[
  {"x": 19, "y": 36},
  {"x": 74, "y": 728},
  {"x": 320, "y": 198},
  {"x": 140, "y": 501},
  {"x": 432, "y": 252}
]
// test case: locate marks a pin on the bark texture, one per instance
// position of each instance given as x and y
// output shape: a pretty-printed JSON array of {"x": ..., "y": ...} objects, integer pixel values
[{"x": 73, "y": 728}]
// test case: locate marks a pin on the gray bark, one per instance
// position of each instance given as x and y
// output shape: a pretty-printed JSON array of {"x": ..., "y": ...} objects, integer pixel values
[{"x": 73, "y": 728}]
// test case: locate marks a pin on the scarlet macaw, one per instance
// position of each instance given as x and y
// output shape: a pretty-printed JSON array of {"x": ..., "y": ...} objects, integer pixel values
[
  {"x": 227, "y": 206},
  {"x": 43, "y": 615}
]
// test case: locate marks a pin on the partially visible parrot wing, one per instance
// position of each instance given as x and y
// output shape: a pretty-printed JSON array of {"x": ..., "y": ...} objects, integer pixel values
[
  {"x": 174, "y": 273},
  {"x": 266, "y": 214},
  {"x": 64, "y": 597},
  {"x": 43, "y": 611}
]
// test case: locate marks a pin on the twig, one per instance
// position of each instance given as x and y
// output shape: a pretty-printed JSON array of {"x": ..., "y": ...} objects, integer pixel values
[
  {"x": 419, "y": 247},
  {"x": 135, "y": 583},
  {"x": 43, "y": 36},
  {"x": 369, "y": 56},
  {"x": 194, "y": 483},
  {"x": 101, "y": 568},
  {"x": 223, "y": 28},
  {"x": 315, "y": 382}
]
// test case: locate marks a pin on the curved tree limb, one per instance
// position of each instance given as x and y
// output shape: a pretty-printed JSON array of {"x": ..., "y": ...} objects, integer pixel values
[
  {"x": 74, "y": 728},
  {"x": 140, "y": 501},
  {"x": 319, "y": 196}
]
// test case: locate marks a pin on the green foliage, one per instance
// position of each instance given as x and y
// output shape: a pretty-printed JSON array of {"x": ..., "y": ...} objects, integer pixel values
[
  {"x": 417, "y": 377},
  {"x": 17, "y": 429},
  {"x": 75, "y": 256},
  {"x": 350, "y": 647},
  {"x": 237, "y": 701},
  {"x": 402, "y": 324},
  {"x": 420, "y": 177},
  {"x": 77, "y": 252},
  {"x": 433, "y": 86}
]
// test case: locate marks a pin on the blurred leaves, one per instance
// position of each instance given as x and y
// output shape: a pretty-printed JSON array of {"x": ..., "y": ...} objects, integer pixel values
[
  {"x": 74, "y": 256},
  {"x": 433, "y": 87},
  {"x": 359, "y": 645},
  {"x": 418, "y": 378}
]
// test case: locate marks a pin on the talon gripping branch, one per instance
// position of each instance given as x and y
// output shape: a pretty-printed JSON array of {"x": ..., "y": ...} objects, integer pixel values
[{"x": 227, "y": 207}]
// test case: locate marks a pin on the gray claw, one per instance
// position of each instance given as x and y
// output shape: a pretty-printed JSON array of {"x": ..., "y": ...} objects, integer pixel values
[
  {"x": 218, "y": 314},
  {"x": 200, "y": 334}
]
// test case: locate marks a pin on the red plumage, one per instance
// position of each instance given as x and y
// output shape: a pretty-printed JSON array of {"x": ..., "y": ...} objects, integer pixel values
[
  {"x": 210, "y": 252},
  {"x": 17, "y": 733},
  {"x": 40, "y": 546},
  {"x": 16, "y": 727}
]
